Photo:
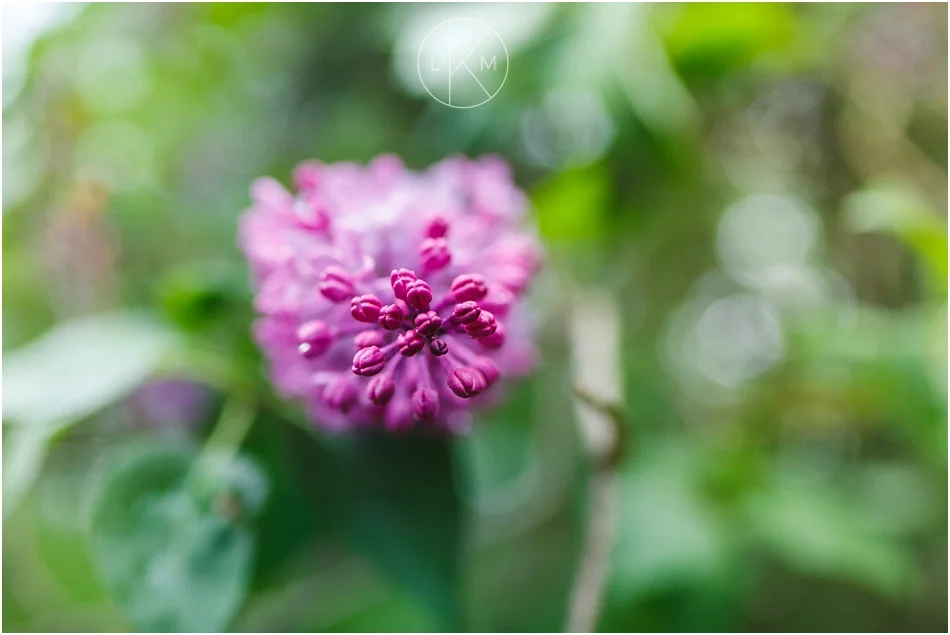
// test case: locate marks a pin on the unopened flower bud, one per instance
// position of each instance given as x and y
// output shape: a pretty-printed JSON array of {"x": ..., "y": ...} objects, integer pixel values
[
  {"x": 434, "y": 254},
  {"x": 410, "y": 343},
  {"x": 390, "y": 317},
  {"x": 425, "y": 404},
  {"x": 469, "y": 286},
  {"x": 466, "y": 312},
  {"x": 368, "y": 361},
  {"x": 380, "y": 389},
  {"x": 314, "y": 338},
  {"x": 465, "y": 382},
  {"x": 365, "y": 308},
  {"x": 428, "y": 323},
  {"x": 418, "y": 294}
]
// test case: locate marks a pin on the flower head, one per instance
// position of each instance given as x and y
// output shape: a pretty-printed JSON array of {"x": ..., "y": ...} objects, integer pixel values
[{"x": 391, "y": 297}]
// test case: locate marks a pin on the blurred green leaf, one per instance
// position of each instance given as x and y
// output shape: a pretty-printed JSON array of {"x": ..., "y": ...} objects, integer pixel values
[
  {"x": 395, "y": 499},
  {"x": 175, "y": 551},
  {"x": 80, "y": 366},
  {"x": 668, "y": 535},
  {"x": 896, "y": 209},
  {"x": 64, "y": 376},
  {"x": 24, "y": 449},
  {"x": 710, "y": 39},
  {"x": 819, "y": 531},
  {"x": 571, "y": 205}
]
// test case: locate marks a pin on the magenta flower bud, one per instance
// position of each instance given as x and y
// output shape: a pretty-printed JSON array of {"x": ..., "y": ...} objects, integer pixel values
[
  {"x": 410, "y": 343},
  {"x": 434, "y": 254},
  {"x": 399, "y": 279},
  {"x": 336, "y": 284},
  {"x": 368, "y": 361},
  {"x": 425, "y": 404},
  {"x": 341, "y": 394},
  {"x": 465, "y": 382},
  {"x": 428, "y": 323},
  {"x": 484, "y": 326},
  {"x": 438, "y": 347},
  {"x": 466, "y": 312},
  {"x": 438, "y": 227},
  {"x": 390, "y": 317},
  {"x": 380, "y": 389},
  {"x": 369, "y": 337},
  {"x": 365, "y": 308},
  {"x": 469, "y": 287},
  {"x": 487, "y": 368},
  {"x": 315, "y": 338},
  {"x": 418, "y": 294},
  {"x": 496, "y": 339}
]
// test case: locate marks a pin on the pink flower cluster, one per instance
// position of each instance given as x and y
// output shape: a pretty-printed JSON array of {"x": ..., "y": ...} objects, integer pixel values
[{"x": 389, "y": 296}]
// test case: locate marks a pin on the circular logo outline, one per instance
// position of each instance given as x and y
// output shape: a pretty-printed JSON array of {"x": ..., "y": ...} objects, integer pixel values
[{"x": 490, "y": 29}]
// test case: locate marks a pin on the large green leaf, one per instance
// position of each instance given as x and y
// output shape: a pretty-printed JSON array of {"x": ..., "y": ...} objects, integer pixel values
[
  {"x": 395, "y": 499},
  {"x": 171, "y": 537},
  {"x": 64, "y": 376},
  {"x": 80, "y": 366},
  {"x": 819, "y": 530}
]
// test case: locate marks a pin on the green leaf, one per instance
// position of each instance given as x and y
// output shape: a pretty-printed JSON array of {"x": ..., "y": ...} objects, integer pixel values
[
  {"x": 570, "y": 206},
  {"x": 668, "y": 534},
  {"x": 819, "y": 531},
  {"x": 395, "y": 500},
  {"x": 80, "y": 366},
  {"x": 896, "y": 208},
  {"x": 24, "y": 449},
  {"x": 173, "y": 547}
]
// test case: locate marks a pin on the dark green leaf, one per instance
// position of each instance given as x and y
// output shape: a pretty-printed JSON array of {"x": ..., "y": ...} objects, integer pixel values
[
  {"x": 173, "y": 546},
  {"x": 395, "y": 499}
]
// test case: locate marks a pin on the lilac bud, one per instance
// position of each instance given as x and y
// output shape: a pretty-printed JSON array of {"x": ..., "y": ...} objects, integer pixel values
[
  {"x": 434, "y": 254},
  {"x": 380, "y": 389},
  {"x": 428, "y": 323},
  {"x": 418, "y": 294},
  {"x": 484, "y": 326},
  {"x": 365, "y": 308},
  {"x": 315, "y": 338},
  {"x": 368, "y": 361},
  {"x": 438, "y": 227},
  {"x": 410, "y": 343},
  {"x": 341, "y": 394},
  {"x": 425, "y": 404},
  {"x": 469, "y": 286},
  {"x": 438, "y": 347},
  {"x": 496, "y": 339},
  {"x": 487, "y": 368},
  {"x": 390, "y": 317},
  {"x": 399, "y": 278},
  {"x": 466, "y": 312},
  {"x": 336, "y": 284},
  {"x": 465, "y": 382},
  {"x": 369, "y": 337}
]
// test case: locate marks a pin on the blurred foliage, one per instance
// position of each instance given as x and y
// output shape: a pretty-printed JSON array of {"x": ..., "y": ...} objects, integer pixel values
[{"x": 761, "y": 187}]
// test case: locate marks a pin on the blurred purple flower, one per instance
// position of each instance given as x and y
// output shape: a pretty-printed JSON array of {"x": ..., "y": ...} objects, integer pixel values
[
  {"x": 171, "y": 403},
  {"x": 388, "y": 295}
]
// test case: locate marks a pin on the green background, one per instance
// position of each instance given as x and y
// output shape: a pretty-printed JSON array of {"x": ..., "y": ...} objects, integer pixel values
[{"x": 759, "y": 189}]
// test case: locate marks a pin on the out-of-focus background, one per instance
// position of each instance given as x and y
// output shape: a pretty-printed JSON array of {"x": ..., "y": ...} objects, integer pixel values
[{"x": 760, "y": 189}]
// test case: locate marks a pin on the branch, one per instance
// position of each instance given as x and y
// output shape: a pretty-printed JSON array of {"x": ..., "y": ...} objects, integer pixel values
[{"x": 597, "y": 375}]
